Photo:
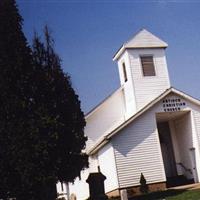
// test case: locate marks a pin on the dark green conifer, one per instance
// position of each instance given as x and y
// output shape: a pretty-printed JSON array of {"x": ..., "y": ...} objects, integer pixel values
[
  {"x": 15, "y": 96},
  {"x": 41, "y": 124},
  {"x": 62, "y": 117}
]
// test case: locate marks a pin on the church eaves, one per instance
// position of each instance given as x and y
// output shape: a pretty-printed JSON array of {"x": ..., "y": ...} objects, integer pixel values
[{"x": 143, "y": 39}]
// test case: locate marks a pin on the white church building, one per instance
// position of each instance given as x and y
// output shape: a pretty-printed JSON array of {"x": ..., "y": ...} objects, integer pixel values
[{"x": 146, "y": 126}]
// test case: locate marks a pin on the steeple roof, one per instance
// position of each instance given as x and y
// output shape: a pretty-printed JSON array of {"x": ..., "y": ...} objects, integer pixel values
[{"x": 143, "y": 39}]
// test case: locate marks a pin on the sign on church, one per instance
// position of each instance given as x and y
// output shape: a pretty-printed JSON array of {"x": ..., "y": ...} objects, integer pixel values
[{"x": 173, "y": 104}]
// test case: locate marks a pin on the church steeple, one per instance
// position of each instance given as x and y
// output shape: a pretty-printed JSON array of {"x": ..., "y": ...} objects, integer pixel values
[
  {"x": 142, "y": 39},
  {"x": 142, "y": 70}
]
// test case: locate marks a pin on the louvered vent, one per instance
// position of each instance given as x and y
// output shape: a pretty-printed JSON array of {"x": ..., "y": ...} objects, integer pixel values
[{"x": 148, "y": 65}]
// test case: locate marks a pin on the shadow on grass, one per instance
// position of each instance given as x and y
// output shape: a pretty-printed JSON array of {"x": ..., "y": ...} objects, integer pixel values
[{"x": 158, "y": 195}]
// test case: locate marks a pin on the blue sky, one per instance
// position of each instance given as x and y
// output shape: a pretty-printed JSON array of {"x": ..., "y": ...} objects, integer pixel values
[{"x": 88, "y": 33}]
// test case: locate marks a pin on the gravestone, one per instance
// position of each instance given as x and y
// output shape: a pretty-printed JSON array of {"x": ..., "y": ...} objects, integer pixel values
[{"x": 96, "y": 186}]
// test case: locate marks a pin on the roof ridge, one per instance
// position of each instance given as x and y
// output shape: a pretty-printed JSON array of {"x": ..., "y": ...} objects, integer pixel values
[
  {"x": 107, "y": 137},
  {"x": 141, "y": 39},
  {"x": 133, "y": 35}
]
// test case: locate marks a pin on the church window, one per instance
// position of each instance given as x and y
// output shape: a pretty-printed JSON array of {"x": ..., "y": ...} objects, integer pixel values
[
  {"x": 148, "y": 65},
  {"x": 124, "y": 72}
]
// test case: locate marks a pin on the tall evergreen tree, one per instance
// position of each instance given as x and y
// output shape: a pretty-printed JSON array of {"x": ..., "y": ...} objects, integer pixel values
[
  {"x": 41, "y": 124},
  {"x": 15, "y": 96},
  {"x": 62, "y": 119}
]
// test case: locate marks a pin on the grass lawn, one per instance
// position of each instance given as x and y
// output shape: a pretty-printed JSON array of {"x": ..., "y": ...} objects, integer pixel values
[
  {"x": 171, "y": 195},
  {"x": 186, "y": 195}
]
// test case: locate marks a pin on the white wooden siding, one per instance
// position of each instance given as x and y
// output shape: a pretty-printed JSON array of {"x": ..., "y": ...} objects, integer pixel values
[
  {"x": 196, "y": 127},
  {"x": 135, "y": 93},
  {"x": 183, "y": 132},
  {"x": 192, "y": 139},
  {"x": 93, "y": 163},
  {"x": 137, "y": 146},
  {"x": 107, "y": 165},
  {"x": 129, "y": 94},
  {"x": 108, "y": 115},
  {"x": 148, "y": 87},
  {"x": 137, "y": 151},
  {"x": 197, "y": 120}
]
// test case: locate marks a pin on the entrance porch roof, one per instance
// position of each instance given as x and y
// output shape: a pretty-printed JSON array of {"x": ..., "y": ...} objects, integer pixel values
[{"x": 167, "y": 116}]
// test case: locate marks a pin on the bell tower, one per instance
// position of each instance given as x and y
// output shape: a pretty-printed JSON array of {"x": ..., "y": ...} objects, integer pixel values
[{"x": 142, "y": 70}]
